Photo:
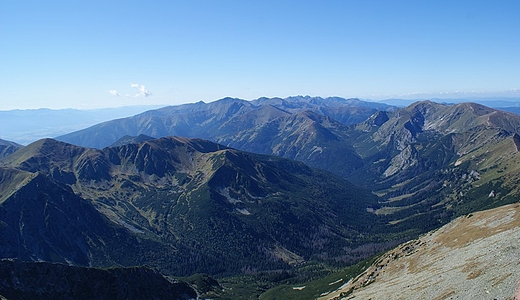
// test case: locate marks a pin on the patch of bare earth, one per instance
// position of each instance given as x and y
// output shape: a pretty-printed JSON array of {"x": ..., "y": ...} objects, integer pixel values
[{"x": 474, "y": 257}]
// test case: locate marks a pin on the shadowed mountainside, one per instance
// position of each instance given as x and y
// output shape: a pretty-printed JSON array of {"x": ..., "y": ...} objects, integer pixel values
[{"x": 43, "y": 280}]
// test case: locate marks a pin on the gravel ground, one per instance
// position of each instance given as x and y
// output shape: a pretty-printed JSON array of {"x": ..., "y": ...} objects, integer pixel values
[{"x": 474, "y": 257}]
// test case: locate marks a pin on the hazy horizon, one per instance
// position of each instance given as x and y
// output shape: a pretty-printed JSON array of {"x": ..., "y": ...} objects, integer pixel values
[{"x": 480, "y": 97}]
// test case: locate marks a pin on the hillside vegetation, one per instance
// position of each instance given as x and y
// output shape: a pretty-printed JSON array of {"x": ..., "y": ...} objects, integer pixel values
[{"x": 180, "y": 205}]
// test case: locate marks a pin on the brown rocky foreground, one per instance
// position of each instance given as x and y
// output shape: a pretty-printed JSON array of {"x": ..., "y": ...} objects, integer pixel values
[{"x": 474, "y": 257}]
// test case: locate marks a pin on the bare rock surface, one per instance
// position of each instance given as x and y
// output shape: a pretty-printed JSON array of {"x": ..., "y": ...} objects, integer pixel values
[{"x": 474, "y": 257}]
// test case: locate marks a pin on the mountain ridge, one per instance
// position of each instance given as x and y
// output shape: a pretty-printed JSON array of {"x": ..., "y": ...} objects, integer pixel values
[
  {"x": 204, "y": 120},
  {"x": 226, "y": 212},
  {"x": 184, "y": 194}
]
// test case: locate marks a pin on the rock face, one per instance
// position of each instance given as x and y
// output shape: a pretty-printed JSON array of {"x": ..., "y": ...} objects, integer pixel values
[
  {"x": 473, "y": 257},
  {"x": 42, "y": 280}
]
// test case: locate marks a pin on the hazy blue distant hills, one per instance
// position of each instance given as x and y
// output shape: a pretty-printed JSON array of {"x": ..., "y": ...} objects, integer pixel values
[
  {"x": 210, "y": 120},
  {"x": 27, "y": 126},
  {"x": 180, "y": 205},
  {"x": 513, "y": 109},
  {"x": 494, "y": 102}
]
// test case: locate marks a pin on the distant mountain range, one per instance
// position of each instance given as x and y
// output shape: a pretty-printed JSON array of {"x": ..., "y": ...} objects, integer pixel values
[
  {"x": 503, "y": 103},
  {"x": 27, "y": 126},
  {"x": 214, "y": 119}
]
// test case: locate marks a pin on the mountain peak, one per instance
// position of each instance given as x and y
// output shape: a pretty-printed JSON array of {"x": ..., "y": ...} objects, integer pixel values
[{"x": 47, "y": 153}]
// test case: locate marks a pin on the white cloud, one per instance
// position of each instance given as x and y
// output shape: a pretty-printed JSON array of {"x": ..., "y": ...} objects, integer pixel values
[
  {"x": 114, "y": 92},
  {"x": 142, "y": 90}
]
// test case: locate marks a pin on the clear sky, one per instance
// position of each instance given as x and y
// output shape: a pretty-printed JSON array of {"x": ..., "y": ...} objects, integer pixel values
[{"x": 87, "y": 54}]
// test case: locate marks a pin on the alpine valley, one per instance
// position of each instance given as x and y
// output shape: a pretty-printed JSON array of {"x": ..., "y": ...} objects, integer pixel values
[{"x": 256, "y": 194}]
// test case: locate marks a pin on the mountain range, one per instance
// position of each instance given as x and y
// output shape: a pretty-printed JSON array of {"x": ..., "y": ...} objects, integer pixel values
[
  {"x": 255, "y": 186},
  {"x": 180, "y": 205},
  {"x": 214, "y": 119},
  {"x": 428, "y": 158}
]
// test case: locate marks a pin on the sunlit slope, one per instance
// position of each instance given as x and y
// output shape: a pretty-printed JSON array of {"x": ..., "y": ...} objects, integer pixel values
[{"x": 473, "y": 257}]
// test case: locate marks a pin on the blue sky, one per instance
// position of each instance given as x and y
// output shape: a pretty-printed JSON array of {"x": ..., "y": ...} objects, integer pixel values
[{"x": 89, "y": 54}]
